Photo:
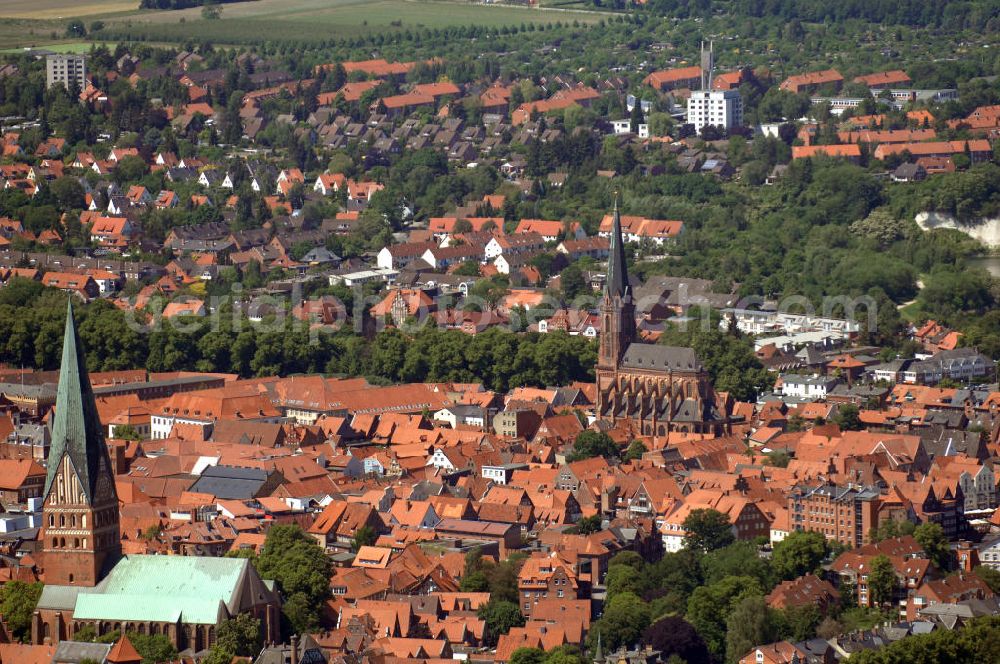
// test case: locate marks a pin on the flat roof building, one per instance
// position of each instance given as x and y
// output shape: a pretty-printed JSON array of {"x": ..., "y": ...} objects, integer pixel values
[{"x": 66, "y": 70}]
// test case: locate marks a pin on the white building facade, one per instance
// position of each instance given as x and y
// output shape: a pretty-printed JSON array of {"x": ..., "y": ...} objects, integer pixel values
[{"x": 720, "y": 108}]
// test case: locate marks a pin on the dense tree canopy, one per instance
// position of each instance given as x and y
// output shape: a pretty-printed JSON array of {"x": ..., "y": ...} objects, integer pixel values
[
  {"x": 675, "y": 636},
  {"x": 977, "y": 642},
  {"x": 956, "y": 14},
  {"x": 302, "y": 571},
  {"x": 500, "y": 616},
  {"x": 710, "y": 606},
  {"x": 593, "y": 444},
  {"x": 799, "y": 553},
  {"x": 707, "y": 530},
  {"x": 17, "y": 604},
  {"x": 750, "y": 623},
  {"x": 882, "y": 581},
  {"x": 932, "y": 539},
  {"x": 153, "y": 648},
  {"x": 32, "y": 319},
  {"x": 623, "y": 622}
]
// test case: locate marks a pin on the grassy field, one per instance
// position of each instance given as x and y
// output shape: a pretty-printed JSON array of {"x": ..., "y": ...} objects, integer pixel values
[
  {"x": 68, "y": 47},
  {"x": 315, "y": 20},
  {"x": 63, "y": 9},
  {"x": 16, "y": 33},
  {"x": 42, "y": 22}
]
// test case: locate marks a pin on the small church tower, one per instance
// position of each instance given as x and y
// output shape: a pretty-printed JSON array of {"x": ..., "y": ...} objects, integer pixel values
[
  {"x": 80, "y": 539},
  {"x": 617, "y": 308}
]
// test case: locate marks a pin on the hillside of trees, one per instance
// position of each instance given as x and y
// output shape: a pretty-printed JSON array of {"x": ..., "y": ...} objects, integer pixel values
[
  {"x": 181, "y": 4},
  {"x": 955, "y": 14}
]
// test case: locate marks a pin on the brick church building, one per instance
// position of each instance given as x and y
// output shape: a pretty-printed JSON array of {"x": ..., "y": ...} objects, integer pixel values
[
  {"x": 87, "y": 580},
  {"x": 655, "y": 389}
]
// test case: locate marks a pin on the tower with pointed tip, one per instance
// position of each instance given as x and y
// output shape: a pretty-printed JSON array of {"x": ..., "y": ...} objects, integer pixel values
[
  {"x": 617, "y": 308},
  {"x": 80, "y": 538},
  {"x": 650, "y": 388}
]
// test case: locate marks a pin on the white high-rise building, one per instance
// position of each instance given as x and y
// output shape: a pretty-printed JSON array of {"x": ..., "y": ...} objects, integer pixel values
[{"x": 721, "y": 108}]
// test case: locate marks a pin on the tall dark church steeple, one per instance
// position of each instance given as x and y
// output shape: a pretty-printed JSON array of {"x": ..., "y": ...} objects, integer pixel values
[
  {"x": 81, "y": 535},
  {"x": 617, "y": 308},
  {"x": 617, "y": 277},
  {"x": 650, "y": 389}
]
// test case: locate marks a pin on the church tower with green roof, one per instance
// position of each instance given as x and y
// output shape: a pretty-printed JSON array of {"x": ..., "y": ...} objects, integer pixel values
[{"x": 81, "y": 539}]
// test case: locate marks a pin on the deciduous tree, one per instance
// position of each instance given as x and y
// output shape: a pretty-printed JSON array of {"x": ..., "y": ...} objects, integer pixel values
[
  {"x": 799, "y": 553},
  {"x": 881, "y": 580},
  {"x": 707, "y": 530},
  {"x": 931, "y": 537},
  {"x": 593, "y": 444},
  {"x": 709, "y": 607},
  {"x": 625, "y": 618},
  {"x": 240, "y": 636},
  {"x": 500, "y": 616},
  {"x": 17, "y": 604},
  {"x": 750, "y": 623},
  {"x": 302, "y": 570},
  {"x": 675, "y": 636}
]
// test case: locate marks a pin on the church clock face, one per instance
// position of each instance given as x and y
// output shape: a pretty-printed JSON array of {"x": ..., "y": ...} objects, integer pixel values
[{"x": 104, "y": 491}]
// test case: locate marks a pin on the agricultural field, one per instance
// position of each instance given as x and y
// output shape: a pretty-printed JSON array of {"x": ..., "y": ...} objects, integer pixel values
[
  {"x": 64, "y": 9},
  {"x": 314, "y": 20},
  {"x": 19, "y": 33},
  {"x": 266, "y": 20}
]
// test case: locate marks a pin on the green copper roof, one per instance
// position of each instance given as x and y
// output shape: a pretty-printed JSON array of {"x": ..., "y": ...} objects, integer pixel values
[
  {"x": 62, "y": 598},
  {"x": 164, "y": 589},
  {"x": 138, "y": 608},
  {"x": 617, "y": 282},
  {"x": 76, "y": 428}
]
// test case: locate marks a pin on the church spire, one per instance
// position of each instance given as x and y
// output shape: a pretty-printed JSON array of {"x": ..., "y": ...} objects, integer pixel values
[
  {"x": 617, "y": 278},
  {"x": 76, "y": 427}
]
